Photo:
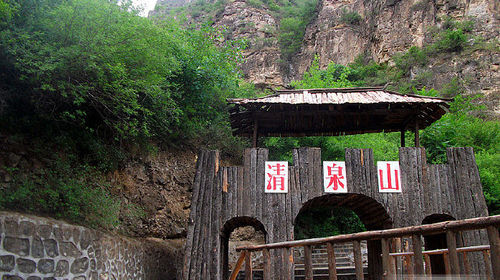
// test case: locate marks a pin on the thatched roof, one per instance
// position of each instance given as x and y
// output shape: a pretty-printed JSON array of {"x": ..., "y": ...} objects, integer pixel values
[{"x": 338, "y": 111}]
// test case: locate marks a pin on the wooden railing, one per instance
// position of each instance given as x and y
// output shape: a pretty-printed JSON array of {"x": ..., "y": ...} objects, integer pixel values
[{"x": 415, "y": 233}]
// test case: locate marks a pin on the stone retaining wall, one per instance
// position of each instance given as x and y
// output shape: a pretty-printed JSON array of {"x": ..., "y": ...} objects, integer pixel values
[{"x": 34, "y": 248}]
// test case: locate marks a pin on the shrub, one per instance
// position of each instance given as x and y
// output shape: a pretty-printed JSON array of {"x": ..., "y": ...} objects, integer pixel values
[{"x": 451, "y": 41}]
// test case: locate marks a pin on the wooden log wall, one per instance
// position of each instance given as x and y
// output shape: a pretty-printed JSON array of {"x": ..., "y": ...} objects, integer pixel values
[{"x": 225, "y": 198}]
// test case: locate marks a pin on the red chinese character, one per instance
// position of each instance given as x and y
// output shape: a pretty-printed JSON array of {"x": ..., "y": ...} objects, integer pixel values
[
  {"x": 276, "y": 176},
  {"x": 390, "y": 185},
  {"x": 335, "y": 175}
]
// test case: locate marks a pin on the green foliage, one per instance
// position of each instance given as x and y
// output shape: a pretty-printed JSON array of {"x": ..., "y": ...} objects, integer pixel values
[
  {"x": 323, "y": 222},
  {"x": 350, "y": 17},
  {"x": 334, "y": 76},
  {"x": 74, "y": 193},
  {"x": 451, "y": 41},
  {"x": 411, "y": 58}
]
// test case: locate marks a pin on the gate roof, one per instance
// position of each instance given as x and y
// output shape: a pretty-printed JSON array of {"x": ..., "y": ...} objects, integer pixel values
[{"x": 336, "y": 111}]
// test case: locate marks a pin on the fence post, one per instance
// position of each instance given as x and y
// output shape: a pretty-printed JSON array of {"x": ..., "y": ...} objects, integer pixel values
[
  {"x": 332, "y": 266},
  {"x": 308, "y": 262},
  {"x": 238, "y": 265},
  {"x": 494, "y": 251},
  {"x": 386, "y": 260},
  {"x": 451, "y": 242},
  {"x": 267, "y": 265},
  {"x": 248, "y": 265},
  {"x": 417, "y": 254},
  {"x": 358, "y": 261}
]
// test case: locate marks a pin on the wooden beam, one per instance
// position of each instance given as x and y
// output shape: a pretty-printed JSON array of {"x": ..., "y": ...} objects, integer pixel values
[
  {"x": 255, "y": 133},
  {"x": 238, "y": 265},
  {"x": 358, "y": 261},
  {"x": 403, "y": 130},
  {"x": 332, "y": 266},
  {"x": 486, "y": 258},
  {"x": 494, "y": 250},
  {"x": 451, "y": 242},
  {"x": 417, "y": 134}
]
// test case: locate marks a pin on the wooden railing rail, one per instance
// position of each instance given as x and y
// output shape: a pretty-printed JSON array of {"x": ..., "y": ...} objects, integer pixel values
[{"x": 451, "y": 228}]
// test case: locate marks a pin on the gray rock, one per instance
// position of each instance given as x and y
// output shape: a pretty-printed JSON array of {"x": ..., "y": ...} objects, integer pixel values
[
  {"x": 26, "y": 228},
  {"x": 46, "y": 266},
  {"x": 34, "y": 278},
  {"x": 7, "y": 263},
  {"x": 51, "y": 247},
  {"x": 94, "y": 276},
  {"x": 25, "y": 265},
  {"x": 68, "y": 249},
  {"x": 11, "y": 227},
  {"x": 62, "y": 268},
  {"x": 80, "y": 265},
  {"x": 20, "y": 246},
  {"x": 85, "y": 239},
  {"x": 44, "y": 231},
  {"x": 79, "y": 278},
  {"x": 37, "y": 247}
]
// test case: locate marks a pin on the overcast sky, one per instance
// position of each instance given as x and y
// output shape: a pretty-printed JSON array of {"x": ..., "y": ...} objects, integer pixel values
[{"x": 147, "y": 5}]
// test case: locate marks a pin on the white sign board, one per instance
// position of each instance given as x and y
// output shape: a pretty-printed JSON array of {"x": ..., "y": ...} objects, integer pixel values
[
  {"x": 334, "y": 177},
  {"x": 276, "y": 177},
  {"x": 389, "y": 179}
]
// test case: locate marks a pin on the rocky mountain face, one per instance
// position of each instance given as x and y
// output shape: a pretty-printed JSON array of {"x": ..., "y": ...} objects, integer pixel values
[{"x": 385, "y": 28}]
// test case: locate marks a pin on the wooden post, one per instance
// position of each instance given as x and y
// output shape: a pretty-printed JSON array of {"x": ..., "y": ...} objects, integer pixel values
[
  {"x": 255, "y": 132},
  {"x": 467, "y": 266},
  {"x": 332, "y": 266},
  {"x": 358, "y": 261},
  {"x": 386, "y": 260},
  {"x": 494, "y": 250},
  {"x": 417, "y": 255},
  {"x": 266, "y": 271},
  {"x": 428, "y": 269},
  {"x": 451, "y": 242},
  {"x": 486, "y": 258},
  {"x": 248, "y": 265},
  {"x": 308, "y": 262},
  {"x": 287, "y": 264},
  {"x": 417, "y": 135},
  {"x": 403, "y": 137},
  {"x": 408, "y": 266}
]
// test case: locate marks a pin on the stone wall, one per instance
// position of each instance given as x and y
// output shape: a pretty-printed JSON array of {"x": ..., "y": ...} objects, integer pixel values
[{"x": 35, "y": 248}]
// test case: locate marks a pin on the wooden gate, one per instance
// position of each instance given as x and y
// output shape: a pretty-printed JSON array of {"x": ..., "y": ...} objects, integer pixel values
[{"x": 223, "y": 197}]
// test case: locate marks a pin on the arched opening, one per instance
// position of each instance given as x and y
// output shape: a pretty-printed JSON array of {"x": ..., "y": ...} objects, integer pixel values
[
  {"x": 334, "y": 214},
  {"x": 236, "y": 232},
  {"x": 436, "y": 241}
]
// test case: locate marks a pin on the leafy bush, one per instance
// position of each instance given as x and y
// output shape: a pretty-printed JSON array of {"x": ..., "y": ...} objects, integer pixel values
[
  {"x": 411, "y": 58},
  {"x": 350, "y": 17},
  {"x": 451, "y": 41},
  {"x": 323, "y": 222}
]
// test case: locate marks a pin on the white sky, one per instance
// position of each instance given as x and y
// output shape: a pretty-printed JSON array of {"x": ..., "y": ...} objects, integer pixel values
[{"x": 147, "y": 6}]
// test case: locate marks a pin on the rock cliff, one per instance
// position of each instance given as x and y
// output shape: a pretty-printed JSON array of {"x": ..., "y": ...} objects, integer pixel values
[{"x": 385, "y": 28}]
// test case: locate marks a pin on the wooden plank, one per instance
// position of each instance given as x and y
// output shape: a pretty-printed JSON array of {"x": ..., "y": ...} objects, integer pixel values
[
  {"x": 238, "y": 266},
  {"x": 332, "y": 266},
  {"x": 451, "y": 242},
  {"x": 418, "y": 257},
  {"x": 287, "y": 263},
  {"x": 308, "y": 263},
  {"x": 494, "y": 251},
  {"x": 446, "y": 263},
  {"x": 358, "y": 261},
  {"x": 409, "y": 267},
  {"x": 248, "y": 266}
]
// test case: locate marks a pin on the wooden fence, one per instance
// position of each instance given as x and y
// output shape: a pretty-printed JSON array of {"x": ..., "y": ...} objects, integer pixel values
[{"x": 417, "y": 261}]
